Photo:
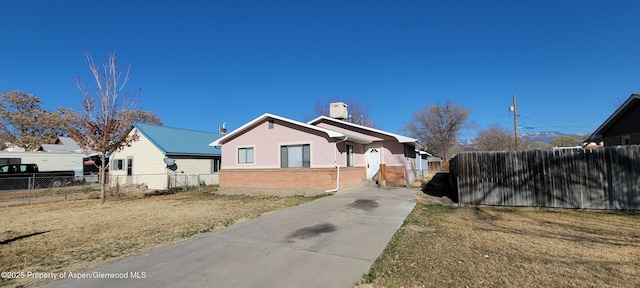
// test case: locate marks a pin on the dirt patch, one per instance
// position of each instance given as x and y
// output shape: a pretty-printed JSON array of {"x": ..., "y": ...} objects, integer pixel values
[{"x": 415, "y": 230}]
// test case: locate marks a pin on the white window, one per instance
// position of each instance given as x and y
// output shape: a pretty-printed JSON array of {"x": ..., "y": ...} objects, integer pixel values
[
  {"x": 295, "y": 156},
  {"x": 349, "y": 155},
  {"x": 117, "y": 164},
  {"x": 245, "y": 155}
]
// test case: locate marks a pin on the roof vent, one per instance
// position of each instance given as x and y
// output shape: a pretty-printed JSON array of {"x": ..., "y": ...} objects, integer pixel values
[
  {"x": 223, "y": 130},
  {"x": 338, "y": 110}
]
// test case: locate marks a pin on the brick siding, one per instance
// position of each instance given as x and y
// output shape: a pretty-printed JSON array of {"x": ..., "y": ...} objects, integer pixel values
[
  {"x": 317, "y": 178},
  {"x": 395, "y": 175}
]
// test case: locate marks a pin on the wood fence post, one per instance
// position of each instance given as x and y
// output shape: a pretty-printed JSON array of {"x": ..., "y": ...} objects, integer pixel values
[{"x": 382, "y": 176}]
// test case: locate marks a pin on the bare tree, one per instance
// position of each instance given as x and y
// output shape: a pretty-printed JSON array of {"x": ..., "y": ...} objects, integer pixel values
[
  {"x": 25, "y": 124},
  {"x": 358, "y": 111},
  {"x": 101, "y": 126},
  {"x": 133, "y": 116},
  {"x": 495, "y": 138},
  {"x": 438, "y": 127}
]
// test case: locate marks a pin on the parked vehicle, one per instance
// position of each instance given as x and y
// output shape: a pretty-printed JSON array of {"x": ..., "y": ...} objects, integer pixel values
[
  {"x": 25, "y": 176},
  {"x": 46, "y": 161}
]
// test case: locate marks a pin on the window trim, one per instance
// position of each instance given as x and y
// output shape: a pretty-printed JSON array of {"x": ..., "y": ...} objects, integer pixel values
[
  {"x": 306, "y": 162},
  {"x": 129, "y": 167},
  {"x": 625, "y": 140},
  {"x": 253, "y": 155},
  {"x": 115, "y": 165},
  {"x": 215, "y": 165},
  {"x": 350, "y": 155}
]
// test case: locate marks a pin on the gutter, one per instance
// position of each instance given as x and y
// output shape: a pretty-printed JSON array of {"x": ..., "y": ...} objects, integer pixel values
[{"x": 335, "y": 161}]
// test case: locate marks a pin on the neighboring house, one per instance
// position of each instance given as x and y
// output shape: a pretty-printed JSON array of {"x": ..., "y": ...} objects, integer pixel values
[
  {"x": 622, "y": 127},
  {"x": 66, "y": 144},
  {"x": 143, "y": 162},
  {"x": 62, "y": 144},
  {"x": 275, "y": 152}
]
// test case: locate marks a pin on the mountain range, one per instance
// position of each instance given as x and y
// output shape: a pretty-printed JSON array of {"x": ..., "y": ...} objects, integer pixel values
[{"x": 542, "y": 136}]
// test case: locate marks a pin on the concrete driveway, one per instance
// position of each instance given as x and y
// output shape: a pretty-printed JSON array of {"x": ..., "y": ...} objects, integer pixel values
[{"x": 330, "y": 242}]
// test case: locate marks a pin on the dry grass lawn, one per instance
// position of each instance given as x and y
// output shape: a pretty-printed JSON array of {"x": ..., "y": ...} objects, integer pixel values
[
  {"x": 74, "y": 236},
  {"x": 491, "y": 247}
]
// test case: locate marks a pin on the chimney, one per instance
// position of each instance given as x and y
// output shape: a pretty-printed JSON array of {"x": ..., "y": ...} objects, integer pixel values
[{"x": 338, "y": 110}]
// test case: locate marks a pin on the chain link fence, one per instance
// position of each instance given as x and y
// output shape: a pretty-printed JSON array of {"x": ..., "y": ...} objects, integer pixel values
[
  {"x": 189, "y": 182},
  {"x": 30, "y": 189},
  {"x": 31, "y": 181}
]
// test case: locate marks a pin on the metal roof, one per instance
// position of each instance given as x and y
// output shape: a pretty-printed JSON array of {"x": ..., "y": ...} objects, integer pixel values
[
  {"x": 63, "y": 144},
  {"x": 180, "y": 142}
]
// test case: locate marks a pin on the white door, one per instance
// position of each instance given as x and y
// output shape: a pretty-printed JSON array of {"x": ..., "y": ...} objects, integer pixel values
[{"x": 373, "y": 162}]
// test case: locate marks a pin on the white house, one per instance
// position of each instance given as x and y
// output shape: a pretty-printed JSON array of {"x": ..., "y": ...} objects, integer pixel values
[{"x": 146, "y": 160}]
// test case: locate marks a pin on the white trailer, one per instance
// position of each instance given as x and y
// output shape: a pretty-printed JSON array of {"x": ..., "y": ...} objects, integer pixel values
[{"x": 47, "y": 161}]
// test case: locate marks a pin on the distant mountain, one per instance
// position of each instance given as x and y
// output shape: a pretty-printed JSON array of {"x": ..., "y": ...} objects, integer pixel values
[
  {"x": 547, "y": 136},
  {"x": 466, "y": 142},
  {"x": 542, "y": 136}
]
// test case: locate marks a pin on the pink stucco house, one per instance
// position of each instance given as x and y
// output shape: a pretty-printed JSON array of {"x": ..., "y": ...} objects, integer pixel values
[{"x": 325, "y": 153}]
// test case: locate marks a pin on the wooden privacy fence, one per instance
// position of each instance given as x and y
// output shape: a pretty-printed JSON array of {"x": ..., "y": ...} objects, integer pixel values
[{"x": 604, "y": 178}]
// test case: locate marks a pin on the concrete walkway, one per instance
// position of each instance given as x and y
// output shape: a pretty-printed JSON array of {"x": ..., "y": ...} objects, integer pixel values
[{"x": 330, "y": 242}]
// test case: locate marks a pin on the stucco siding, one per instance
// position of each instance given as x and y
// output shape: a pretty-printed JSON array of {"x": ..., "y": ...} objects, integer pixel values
[
  {"x": 394, "y": 153},
  {"x": 266, "y": 143},
  {"x": 358, "y": 154},
  {"x": 352, "y": 131}
]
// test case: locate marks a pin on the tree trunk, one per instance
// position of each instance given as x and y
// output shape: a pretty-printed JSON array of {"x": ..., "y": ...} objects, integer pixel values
[{"x": 103, "y": 175}]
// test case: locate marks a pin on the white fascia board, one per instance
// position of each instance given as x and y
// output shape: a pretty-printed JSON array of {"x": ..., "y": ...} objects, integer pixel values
[
  {"x": 597, "y": 135},
  {"x": 400, "y": 138},
  {"x": 221, "y": 140}
]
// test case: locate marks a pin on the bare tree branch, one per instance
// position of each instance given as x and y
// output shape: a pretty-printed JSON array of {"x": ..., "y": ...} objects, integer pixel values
[
  {"x": 358, "y": 111},
  {"x": 103, "y": 127},
  {"x": 438, "y": 127}
]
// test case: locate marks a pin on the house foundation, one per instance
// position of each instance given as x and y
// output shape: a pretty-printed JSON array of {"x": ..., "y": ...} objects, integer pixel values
[{"x": 315, "y": 178}]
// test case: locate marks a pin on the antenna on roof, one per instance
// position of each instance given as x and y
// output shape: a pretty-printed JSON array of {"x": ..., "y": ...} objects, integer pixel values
[{"x": 223, "y": 129}]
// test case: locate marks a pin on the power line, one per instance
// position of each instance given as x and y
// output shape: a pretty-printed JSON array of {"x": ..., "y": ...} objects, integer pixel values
[
  {"x": 569, "y": 114},
  {"x": 552, "y": 125}
]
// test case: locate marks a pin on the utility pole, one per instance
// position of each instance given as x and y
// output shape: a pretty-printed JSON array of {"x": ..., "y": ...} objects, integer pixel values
[{"x": 515, "y": 120}]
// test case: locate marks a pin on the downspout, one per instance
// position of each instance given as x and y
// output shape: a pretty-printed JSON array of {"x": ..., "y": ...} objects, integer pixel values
[{"x": 335, "y": 161}]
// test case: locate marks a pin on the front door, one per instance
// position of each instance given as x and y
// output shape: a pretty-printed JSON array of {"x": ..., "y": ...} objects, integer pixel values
[
  {"x": 129, "y": 171},
  {"x": 373, "y": 162}
]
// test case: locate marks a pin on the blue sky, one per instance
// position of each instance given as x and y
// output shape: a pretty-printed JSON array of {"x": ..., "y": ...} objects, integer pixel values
[{"x": 201, "y": 63}]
